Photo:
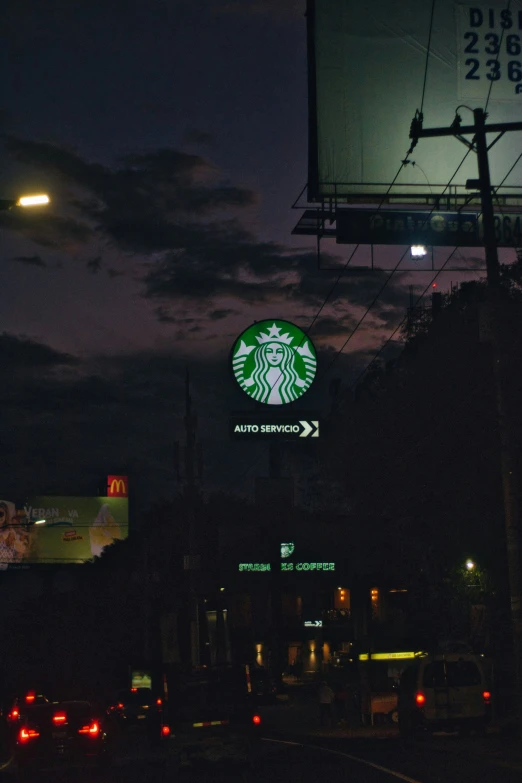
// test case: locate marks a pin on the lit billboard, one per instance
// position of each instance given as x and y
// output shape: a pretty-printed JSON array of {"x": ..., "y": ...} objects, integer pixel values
[
  {"x": 51, "y": 529},
  {"x": 366, "y": 74}
]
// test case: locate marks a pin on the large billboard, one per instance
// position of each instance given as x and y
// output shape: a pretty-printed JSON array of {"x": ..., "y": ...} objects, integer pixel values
[
  {"x": 366, "y": 75},
  {"x": 51, "y": 529}
]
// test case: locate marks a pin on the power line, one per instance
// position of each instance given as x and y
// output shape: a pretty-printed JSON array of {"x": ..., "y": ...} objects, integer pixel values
[
  {"x": 509, "y": 172},
  {"x": 255, "y": 462},
  {"x": 427, "y": 56},
  {"x": 390, "y": 277},
  {"x": 399, "y": 326}
]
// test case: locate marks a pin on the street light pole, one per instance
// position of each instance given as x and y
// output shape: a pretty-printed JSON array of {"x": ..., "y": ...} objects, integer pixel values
[{"x": 496, "y": 296}]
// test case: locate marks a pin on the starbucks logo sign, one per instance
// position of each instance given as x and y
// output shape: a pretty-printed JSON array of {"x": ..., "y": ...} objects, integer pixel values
[{"x": 274, "y": 362}]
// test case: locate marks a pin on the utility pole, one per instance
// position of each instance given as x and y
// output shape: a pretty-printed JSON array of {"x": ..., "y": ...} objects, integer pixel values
[
  {"x": 510, "y": 483},
  {"x": 192, "y": 562}
]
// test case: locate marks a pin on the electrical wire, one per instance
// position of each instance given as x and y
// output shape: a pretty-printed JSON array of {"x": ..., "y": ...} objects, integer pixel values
[
  {"x": 390, "y": 277},
  {"x": 507, "y": 175},
  {"x": 404, "y": 162},
  {"x": 258, "y": 458},
  {"x": 427, "y": 56},
  {"x": 399, "y": 326}
]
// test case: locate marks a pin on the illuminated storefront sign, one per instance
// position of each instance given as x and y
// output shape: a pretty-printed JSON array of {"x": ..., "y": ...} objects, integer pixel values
[
  {"x": 288, "y": 566},
  {"x": 141, "y": 679},
  {"x": 274, "y": 362},
  {"x": 287, "y": 550},
  {"x": 307, "y": 566},
  {"x": 313, "y": 623},
  {"x": 117, "y": 486},
  {"x": 389, "y": 656},
  {"x": 258, "y": 427}
]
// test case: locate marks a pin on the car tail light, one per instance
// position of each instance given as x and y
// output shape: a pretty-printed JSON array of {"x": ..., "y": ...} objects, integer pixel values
[
  {"x": 165, "y": 731},
  {"x": 420, "y": 699},
  {"x": 159, "y": 702},
  {"x": 487, "y": 697},
  {"x": 30, "y": 697},
  {"x": 93, "y": 729},
  {"x": 13, "y": 715},
  {"x": 59, "y": 718},
  {"x": 134, "y": 690},
  {"x": 27, "y": 734},
  {"x": 256, "y": 719}
]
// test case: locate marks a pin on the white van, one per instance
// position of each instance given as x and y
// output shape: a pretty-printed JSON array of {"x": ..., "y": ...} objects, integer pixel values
[{"x": 444, "y": 692}]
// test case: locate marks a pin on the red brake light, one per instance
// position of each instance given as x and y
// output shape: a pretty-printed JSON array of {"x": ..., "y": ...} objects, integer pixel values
[
  {"x": 420, "y": 698},
  {"x": 30, "y": 697},
  {"x": 487, "y": 697},
  {"x": 13, "y": 715},
  {"x": 27, "y": 734},
  {"x": 59, "y": 717},
  {"x": 256, "y": 719},
  {"x": 159, "y": 702},
  {"x": 165, "y": 731},
  {"x": 134, "y": 690},
  {"x": 93, "y": 729}
]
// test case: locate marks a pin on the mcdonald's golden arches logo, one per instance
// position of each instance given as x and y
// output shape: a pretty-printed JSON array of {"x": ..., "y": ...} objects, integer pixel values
[{"x": 117, "y": 486}]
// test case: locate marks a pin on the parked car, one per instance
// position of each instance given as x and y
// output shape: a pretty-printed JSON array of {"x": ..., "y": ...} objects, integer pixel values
[
  {"x": 72, "y": 731},
  {"x": 445, "y": 691},
  {"x": 212, "y": 721},
  {"x": 137, "y": 707}
]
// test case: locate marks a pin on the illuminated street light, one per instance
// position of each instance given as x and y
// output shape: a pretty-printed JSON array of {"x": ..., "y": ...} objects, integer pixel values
[
  {"x": 40, "y": 522},
  {"x": 470, "y": 565},
  {"x": 33, "y": 201},
  {"x": 418, "y": 251}
]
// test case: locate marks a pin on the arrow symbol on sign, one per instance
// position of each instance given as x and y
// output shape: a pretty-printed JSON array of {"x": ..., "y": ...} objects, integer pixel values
[
  {"x": 316, "y": 433},
  {"x": 307, "y": 429}
]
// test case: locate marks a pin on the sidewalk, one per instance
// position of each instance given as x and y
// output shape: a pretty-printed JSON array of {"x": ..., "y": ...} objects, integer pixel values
[{"x": 300, "y": 718}]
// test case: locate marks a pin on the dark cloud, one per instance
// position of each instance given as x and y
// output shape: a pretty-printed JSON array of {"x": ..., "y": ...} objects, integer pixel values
[
  {"x": 333, "y": 327},
  {"x": 19, "y": 351},
  {"x": 198, "y": 137},
  {"x": 146, "y": 202},
  {"x": 164, "y": 315},
  {"x": 173, "y": 208},
  {"x": 47, "y": 229},
  {"x": 115, "y": 273},
  {"x": 164, "y": 281},
  {"x": 94, "y": 265},
  {"x": 218, "y": 315},
  {"x": 30, "y": 260}
]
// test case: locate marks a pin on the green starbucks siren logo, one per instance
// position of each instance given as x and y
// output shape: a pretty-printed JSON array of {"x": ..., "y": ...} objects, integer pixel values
[{"x": 274, "y": 362}]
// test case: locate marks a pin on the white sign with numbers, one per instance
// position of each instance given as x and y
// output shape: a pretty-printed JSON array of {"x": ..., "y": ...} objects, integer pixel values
[{"x": 489, "y": 51}]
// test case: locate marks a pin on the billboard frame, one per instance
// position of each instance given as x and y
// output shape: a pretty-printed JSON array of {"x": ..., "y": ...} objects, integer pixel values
[{"x": 330, "y": 195}]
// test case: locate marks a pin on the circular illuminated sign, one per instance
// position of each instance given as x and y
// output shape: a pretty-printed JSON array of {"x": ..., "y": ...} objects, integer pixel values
[{"x": 274, "y": 362}]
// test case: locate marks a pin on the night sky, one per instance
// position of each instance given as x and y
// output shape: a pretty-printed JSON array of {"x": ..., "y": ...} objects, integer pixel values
[{"x": 172, "y": 138}]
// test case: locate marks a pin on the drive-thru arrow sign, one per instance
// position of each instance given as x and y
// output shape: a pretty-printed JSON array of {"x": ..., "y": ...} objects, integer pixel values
[
  {"x": 263, "y": 427},
  {"x": 309, "y": 429}
]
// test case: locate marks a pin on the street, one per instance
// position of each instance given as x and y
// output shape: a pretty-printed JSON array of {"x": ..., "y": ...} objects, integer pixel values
[{"x": 363, "y": 761}]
